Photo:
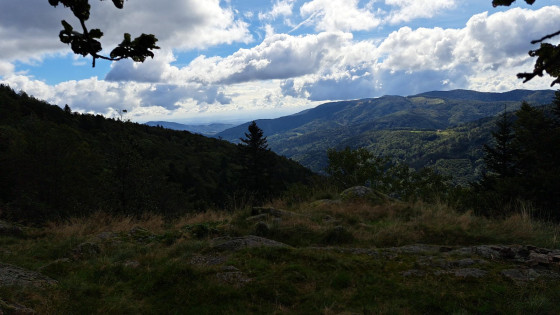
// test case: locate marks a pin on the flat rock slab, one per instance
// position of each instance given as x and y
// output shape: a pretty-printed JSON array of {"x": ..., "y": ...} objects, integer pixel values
[
  {"x": 238, "y": 243},
  {"x": 15, "y": 276},
  {"x": 8, "y": 229},
  {"x": 14, "y": 308},
  {"x": 235, "y": 278}
]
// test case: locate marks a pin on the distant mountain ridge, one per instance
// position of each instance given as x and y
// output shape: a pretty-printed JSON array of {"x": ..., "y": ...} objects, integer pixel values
[
  {"x": 208, "y": 129},
  {"x": 305, "y": 136},
  {"x": 431, "y": 110}
]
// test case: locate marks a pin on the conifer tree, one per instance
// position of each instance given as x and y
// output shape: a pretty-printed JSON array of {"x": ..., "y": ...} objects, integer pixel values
[
  {"x": 257, "y": 162},
  {"x": 500, "y": 159},
  {"x": 255, "y": 139}
]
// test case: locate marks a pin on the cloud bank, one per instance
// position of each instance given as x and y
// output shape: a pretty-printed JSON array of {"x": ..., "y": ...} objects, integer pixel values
[{"x": 284, "y": 70}]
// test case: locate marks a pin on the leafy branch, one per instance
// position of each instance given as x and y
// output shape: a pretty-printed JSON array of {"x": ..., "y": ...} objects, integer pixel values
[
  {"x": 548, "y": 55},
  {"x": 87, "y": 42}
]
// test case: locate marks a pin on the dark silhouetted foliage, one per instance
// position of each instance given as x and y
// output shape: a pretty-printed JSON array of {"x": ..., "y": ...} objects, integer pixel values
[
  {"x": 87, "y": 42},
  {"x": 548, "y": 55},
  {"x": 55, "y": 164},
  {"x": 524, "y": 164}
]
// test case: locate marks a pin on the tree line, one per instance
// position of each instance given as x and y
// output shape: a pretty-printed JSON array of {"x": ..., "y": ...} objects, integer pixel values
[{"x": 56, "y": 163}]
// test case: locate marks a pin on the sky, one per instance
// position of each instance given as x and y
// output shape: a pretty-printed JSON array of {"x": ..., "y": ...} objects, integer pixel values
[{"x": 238, "y": 60}]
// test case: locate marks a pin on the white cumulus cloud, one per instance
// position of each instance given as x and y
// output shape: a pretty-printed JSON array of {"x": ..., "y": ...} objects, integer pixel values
[
  {"x": 408, "y": 10},
  {"x": 339, "y": 15}
]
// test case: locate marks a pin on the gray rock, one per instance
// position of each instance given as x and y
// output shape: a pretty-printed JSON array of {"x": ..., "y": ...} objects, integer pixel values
[
  {"x": 7, "y": 229},
  {"x": 105, "y": 236},
  {"x": 131, "y": 264},
  {"x": 536, "y": 259},
  {"x": 415, "y": 249},
  {"x": 413, "y": 273},
  {"x": 141, "y": 234},
  {"x": 469, "y": 273},
  {"x": 520, "y": 275},
  {"x": 272, "y": 211},
  {"x": 238, "y": 243},
  {"x": 14, "y": 308},
  {"x": 325, "y": 202},
  {"x": 468, "y": 262},
  {"x": 349, "y": 250},
  {"x": 15, "y": 276},
  {"x": 363, "y": 192},
  {"x": 208, "y": 260},
  {"x": 229, "y": 269},
  {"x": 356, "y": 192},
  {"x": 235, "y": 278},
  {"x": 258, "y": 217}
]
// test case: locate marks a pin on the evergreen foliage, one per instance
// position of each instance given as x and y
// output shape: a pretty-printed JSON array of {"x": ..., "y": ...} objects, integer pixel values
[
  {"x": 55, "y": 164},
  {"x": 500, "y": 158},
  {"x": 258, "y": 164},
  {"x": 524, "y": 163}
]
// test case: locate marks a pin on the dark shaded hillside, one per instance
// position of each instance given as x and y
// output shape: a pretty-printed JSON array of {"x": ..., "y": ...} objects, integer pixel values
[
  {"x": 443, "y": 129},
  {"x": 55, "y": 163}
]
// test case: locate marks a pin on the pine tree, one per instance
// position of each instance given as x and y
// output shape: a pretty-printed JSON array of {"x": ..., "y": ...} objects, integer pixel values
[
  {"x": 257, "y": 163},
  {"x": 255, "y": 140},
  {"x": 500, "y": 159}
]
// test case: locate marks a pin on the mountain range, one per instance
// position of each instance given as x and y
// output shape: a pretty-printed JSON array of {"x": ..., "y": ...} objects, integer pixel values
[
  {"x": 443, "y": 129},
  {"x": 207, "y": 130}
]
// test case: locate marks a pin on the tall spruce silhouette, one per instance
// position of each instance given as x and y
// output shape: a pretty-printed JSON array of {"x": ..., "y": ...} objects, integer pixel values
[{"x": 257, "y": 162}]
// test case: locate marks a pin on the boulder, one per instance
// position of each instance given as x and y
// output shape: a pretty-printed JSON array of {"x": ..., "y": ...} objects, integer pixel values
[
  {"x": 15, "y": 276},
  {"x": 7, "y": 229},
  {"x": 520, "y": 275},
  {"x": 259, "y": 211},
  {"x": 14, "y": 308},
  {"x": 141, "y": 234},
  {"x": 238, "y": 243},
  {"x": 234, "y": 278},
  {"x": 365, "y": 193}
]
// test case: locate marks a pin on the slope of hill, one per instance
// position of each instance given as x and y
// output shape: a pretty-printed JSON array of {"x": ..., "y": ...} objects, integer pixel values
[
  {"x": 440, "y": 128},
  {"x": 336, "y": 257},
  {"x": 207, "y": 130},
  {"x": 55, "y": 163}
]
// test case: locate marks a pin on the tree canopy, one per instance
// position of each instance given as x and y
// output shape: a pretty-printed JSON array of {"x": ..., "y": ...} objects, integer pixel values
[
  {"x": 548, "y": 55},
  {"x": 87, "y": 42}
]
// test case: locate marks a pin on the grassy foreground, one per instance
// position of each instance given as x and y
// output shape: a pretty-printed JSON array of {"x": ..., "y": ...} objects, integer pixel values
[{"x": 340, "y": 258}]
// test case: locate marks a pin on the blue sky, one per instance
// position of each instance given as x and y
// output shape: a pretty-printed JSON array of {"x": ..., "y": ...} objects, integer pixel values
[{"x": 236, "y": 60}]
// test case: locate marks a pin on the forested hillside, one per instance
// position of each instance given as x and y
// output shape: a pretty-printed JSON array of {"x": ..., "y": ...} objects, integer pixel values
[
  {"x": 55, "y": 163},
  {"x": 441, "y": 129}
]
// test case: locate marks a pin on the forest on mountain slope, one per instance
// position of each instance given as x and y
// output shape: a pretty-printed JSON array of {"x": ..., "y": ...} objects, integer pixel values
[
  {"x": 444, "y": 130},
  {"x": 56, "y": 163}
]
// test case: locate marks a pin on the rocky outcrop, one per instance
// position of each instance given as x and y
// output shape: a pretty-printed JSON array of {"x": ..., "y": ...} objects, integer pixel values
[
  {"x": 14, "y": 308},
  {"x": 362, "y": 192},
  {"x": 233, "y": 276},
  {"x": 238, "y": 243},
  {"x": 532, "y": 262},
  {"x": 7, "y": 229},
  {"x": 15, "y": 276}
]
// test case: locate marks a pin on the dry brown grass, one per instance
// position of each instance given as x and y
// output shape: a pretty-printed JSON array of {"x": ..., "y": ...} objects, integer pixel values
[
  {"x": 202, "y": 217},
  {"x": 391, "y": 224},
  {"x": 103, "y": 222}
]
